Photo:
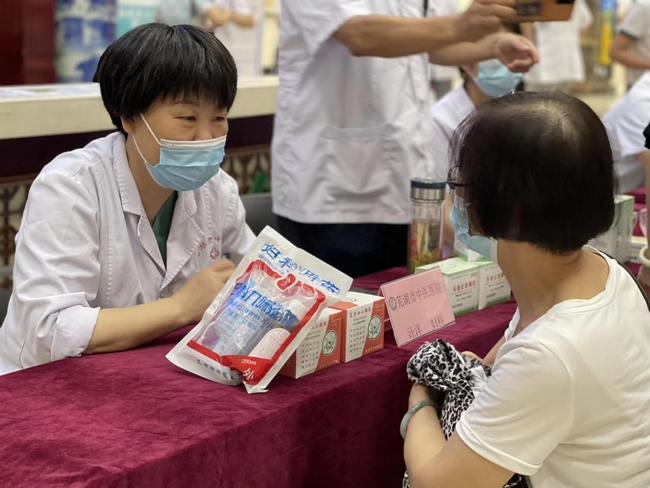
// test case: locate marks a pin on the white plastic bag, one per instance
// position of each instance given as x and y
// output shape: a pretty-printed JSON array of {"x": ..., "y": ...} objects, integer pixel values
[{"x": 261, "y": 316}]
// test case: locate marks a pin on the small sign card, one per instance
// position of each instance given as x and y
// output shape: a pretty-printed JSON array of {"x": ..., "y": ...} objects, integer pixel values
[{"x": 417, "y": 305}]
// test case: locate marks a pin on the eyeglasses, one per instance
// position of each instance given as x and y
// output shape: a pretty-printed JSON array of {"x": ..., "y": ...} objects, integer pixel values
[{"x": 452, "y": 179}]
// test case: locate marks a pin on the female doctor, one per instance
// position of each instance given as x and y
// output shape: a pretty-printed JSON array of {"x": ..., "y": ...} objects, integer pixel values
[{"x": 123, "y": 241}]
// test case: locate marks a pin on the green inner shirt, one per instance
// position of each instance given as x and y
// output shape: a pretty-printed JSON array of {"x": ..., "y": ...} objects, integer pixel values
[{"x": 162, "y": 223}]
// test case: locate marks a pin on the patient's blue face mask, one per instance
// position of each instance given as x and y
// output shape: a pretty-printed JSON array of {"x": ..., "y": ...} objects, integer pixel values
[
  {"x": 485, "y": 246},
  {"x": 495, "y": 79},
  {"x": 185, "y": 165}
]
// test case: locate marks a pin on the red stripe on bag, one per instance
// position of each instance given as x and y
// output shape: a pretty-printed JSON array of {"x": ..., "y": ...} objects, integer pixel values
[{"x": 253, "y": 368}]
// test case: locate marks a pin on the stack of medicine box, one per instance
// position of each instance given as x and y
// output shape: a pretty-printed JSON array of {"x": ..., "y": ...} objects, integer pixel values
[
  {"x": 636, "y": 244},
  {"x": 617, "y": 241},
  {"x": 348, "y": 330},
  {"x": 473, "y": 283}
]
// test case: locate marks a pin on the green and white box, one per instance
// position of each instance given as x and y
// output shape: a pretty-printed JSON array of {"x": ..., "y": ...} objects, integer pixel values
[
  {"x": 616, "y": 241},
  {"x": 493, "y": 285},
  {"x": 636, "y": 244},
  {"x": 462, "y": 282},
  {"x": 461, "y": 251}
]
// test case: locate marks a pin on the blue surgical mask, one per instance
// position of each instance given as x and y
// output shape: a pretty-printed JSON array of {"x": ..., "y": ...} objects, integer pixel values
[
  {"x": 185, "y": 165},
  {"x": 485, "y": 246},
  {"x": 495, "y": 79}
]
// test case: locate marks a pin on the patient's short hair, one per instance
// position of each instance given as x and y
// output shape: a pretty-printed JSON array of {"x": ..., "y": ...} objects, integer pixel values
[{"x": 538, "y": 168}]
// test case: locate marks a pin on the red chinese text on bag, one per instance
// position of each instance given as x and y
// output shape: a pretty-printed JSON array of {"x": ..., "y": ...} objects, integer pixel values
[{"x": 261, "y": 316}]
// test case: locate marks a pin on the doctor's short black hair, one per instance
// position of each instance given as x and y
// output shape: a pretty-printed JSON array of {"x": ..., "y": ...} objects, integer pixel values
[
  {"x": 536, "y": 168},
  {"x": 156, "y": 61}
]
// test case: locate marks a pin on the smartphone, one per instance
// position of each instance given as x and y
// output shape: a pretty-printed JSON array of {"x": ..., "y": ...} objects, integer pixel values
[{"x": 543, "y": 10}]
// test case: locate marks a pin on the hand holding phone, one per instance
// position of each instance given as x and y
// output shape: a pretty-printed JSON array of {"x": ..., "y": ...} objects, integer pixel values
[
  {"x": 542, "y": 10},
  {"x": 482, "y": 18}
]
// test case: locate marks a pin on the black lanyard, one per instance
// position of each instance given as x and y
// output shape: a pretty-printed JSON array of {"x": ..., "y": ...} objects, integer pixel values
[{"x": 426, "y": 7}]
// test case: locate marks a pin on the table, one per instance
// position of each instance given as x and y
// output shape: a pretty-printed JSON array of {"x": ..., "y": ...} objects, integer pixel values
[
  {"x": 134, "y": 419},
  {"x": 28, "y": 111},
  {"x": 639, "y": 195}
]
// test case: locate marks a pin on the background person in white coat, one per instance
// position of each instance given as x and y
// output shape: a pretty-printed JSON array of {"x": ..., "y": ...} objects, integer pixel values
[
  {"x": 121, "y": 241},
  {"x": 352, "y": 124},
  {"x": 240, "y": 30},
  {"x": 625, "y": 124},
  {"x": 442, "y": 77},
  {"x": 561, "y": 61},
  {"x": 631, "y": 46},
  {"x": 178, "y": 12}
]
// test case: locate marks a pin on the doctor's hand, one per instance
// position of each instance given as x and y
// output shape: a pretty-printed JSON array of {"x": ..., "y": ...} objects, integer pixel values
[
  {"x": 198, "y": 293},
  {"x": 483, "y": 17},
  {"x": 516, "y": 52}
]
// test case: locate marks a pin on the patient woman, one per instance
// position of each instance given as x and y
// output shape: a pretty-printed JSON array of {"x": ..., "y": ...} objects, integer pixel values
[{"x": 568, "y": 403}]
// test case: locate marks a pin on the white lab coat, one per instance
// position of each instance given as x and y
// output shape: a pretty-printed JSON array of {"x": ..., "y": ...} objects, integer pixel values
[
  {"x": 350, "y": 132},
  {"x": 625, "y": 124},
  {"x": 245, "y": 44},
  {"x": 439, "y": 8},
  {"x": 175, "y": 12},
  {"x": 560, "y": 53},
  {"x": 636, "y": 26},
  {"x": 85, "y": 243},
  {"x": 447, "y": 114}
]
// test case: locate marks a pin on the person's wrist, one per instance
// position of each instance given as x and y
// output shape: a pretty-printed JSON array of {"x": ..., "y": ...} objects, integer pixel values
[
  {"x": 430, "y": 406},
  {"x": 454, "y": 31},
  {"x": 177, "y": 311},
  {"x": 227, "y": 16},
  {"x": 412, "y": 412},
  {"x": 492, "y": 44},
  {"x": 419, "y": 393},
  {"x": 416, "y": 409}
]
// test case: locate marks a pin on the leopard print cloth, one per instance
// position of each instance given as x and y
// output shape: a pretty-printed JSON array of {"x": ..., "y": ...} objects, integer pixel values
[{"x": 440, "y": 366}]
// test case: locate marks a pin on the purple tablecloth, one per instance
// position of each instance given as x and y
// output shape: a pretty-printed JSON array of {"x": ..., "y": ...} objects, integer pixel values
[{"x": 134, "y": 419}]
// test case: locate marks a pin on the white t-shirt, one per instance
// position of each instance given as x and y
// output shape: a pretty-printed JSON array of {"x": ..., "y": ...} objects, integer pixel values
[
  {"x": 625, "y": 124},
  {"x": 568, "y": 403},
  {"x": 350, "y": 132},
  {"x": 637, "y": 26},
  {"x": 560, "y": 53},
  {"x": 447, "y": 114}
]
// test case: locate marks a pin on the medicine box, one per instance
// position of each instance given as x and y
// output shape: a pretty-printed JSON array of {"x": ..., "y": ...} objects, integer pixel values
[
  {"x": 362, "y": 330},
  {"x": 462, "y": 282},
  {"x": 320, "y": 349},
  {"x": 467, "y": 254},
  {"x": 493, "y": 285},
  {"x": 616, "y": 241},
  {"x": 636, "y": 244}
]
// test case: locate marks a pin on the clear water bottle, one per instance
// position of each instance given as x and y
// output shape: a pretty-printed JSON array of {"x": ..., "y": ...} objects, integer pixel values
[{"x": 425, "y": 229}]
